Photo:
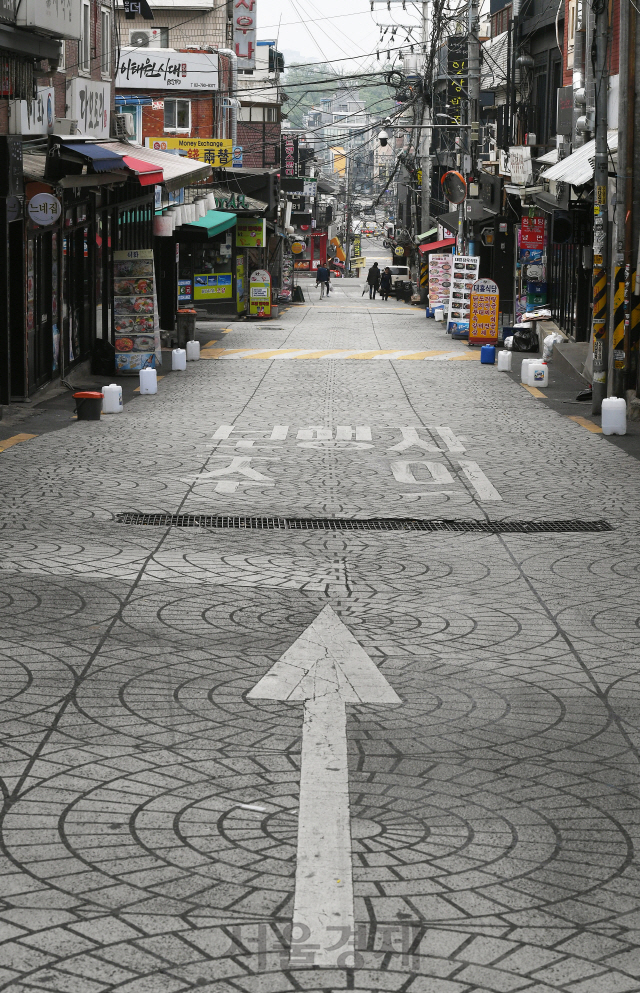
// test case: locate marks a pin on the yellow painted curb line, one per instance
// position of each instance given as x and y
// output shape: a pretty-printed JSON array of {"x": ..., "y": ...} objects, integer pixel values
[
  {"x": 533, "y": 390},
  {"x": 15, "y": 440},
  {"x": 589, "y": 425}
]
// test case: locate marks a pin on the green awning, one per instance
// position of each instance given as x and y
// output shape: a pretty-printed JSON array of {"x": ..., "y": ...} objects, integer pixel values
[
  {"x": 214, "y": 222},
  {"x": 427, "y": 234}
]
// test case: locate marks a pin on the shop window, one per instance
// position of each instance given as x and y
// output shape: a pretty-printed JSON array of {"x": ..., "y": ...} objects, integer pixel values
[
  {"x": 105, "y": 41},
  {"x": 177, "y": 115},
  {"x": 84, "y": 45}
]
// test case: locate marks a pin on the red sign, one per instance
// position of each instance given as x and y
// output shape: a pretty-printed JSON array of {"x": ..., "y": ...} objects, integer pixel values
[{"x": 532, "y": 232}]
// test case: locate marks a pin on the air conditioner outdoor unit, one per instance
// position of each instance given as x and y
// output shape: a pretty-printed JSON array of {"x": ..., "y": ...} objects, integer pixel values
[
  {"x": 125, "y": 126},
  {"x": 65, "y": 125},
  {"x": 145, "y": 38}
]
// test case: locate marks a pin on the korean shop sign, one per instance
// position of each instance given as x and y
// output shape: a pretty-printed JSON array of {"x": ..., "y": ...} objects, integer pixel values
[
  {"x": 260, "y": 294},
  {"x": 245, "y": 22},
  {"x": 483, "y": 319},
  {"x": 251, "y": 232},
  {"x": 163, "y": 69},
  {"x": 215, "y": 151},
  {"x": 89, "y": 104},
  {"x": 44, "y": 209}
]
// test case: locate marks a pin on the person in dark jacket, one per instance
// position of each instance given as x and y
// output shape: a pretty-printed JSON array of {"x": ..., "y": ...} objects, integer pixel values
[
  {"x": 373, "y": 279},
  {"x": 385, "y": 283}
]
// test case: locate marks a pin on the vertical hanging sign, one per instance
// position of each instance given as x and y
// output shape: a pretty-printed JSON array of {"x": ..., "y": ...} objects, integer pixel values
[
  {"x": 244, "y": 32},
  {"x": 457, "y": 73},
  {"x": 483, "y": 318}
]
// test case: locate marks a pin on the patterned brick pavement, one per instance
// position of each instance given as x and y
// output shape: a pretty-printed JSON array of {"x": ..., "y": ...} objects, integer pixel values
[{"x": 149, "y": 824}]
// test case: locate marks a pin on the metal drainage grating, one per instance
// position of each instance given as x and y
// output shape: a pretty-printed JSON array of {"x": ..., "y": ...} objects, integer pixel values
[{"x": 350, "y": 524}]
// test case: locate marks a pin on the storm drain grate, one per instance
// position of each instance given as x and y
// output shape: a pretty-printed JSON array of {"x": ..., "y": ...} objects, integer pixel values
[{"x": 227, "y": 523}]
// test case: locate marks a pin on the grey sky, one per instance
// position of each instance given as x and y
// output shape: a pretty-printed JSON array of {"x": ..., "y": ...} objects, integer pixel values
[{"x": 330, "y": 29}]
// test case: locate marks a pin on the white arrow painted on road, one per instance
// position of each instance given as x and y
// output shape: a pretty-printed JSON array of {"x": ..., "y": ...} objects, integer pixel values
[{"x": 325, "y": 668}]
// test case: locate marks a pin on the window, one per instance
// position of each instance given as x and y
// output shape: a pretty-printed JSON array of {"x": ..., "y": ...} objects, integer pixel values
[
  {"x": 136, "y": 112},
  {"x": 84, "y": 44},
  {"x": 105, "y": 41},
  {"x": 500, "y": 21},
  {"x": 62, "y": 64},
  {"x": 271, "y": 113},
  {"x": 177, "y": 115}
]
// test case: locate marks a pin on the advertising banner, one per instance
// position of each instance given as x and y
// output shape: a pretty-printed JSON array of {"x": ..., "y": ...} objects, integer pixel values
[
  {"x": 215, "y": 151},
  {"x": 483, "y": 317},
  {"x": 163, "y": 69},
  {"x": 260, "y": 293},
  {"x": 137, "y": 336},
  {"x": 251, "y": 232},
  {"x": 532, "y": 232},
  {"x": 212, "y": 286}
]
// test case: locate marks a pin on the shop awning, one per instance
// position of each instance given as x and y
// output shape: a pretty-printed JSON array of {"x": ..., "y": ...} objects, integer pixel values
[
  {"x": 177, "y": 170},
  {"x": 577, "y": 168},
  {"x": 146, "y": 173},
  {"x": 214, "y": 222},
  {"x": 99, "y": 157},
  {"x": 432, "y": 245},
  {"x": 143, "y": 101}
]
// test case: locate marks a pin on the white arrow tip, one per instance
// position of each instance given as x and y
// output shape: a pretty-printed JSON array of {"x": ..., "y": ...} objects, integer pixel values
[{"x": 326, "y": 659}]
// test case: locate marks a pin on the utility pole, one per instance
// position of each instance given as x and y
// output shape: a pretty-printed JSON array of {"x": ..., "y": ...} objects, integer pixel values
[
  {"x": 425, "y": 160},
  {"x": 624, "y": 182},
  {"x": 347, "y": 217},
  {"x": 600, "y": 212},
  {"x": 473, "y": 81}
]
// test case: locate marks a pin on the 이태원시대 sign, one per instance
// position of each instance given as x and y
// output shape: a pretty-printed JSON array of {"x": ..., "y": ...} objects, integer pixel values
[{"x": 164, "y": 69}]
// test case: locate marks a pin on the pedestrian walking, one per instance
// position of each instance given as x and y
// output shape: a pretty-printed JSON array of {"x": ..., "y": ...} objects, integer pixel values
[
  {"x": 385, "y": 283},
  {"x": 322, "y": 277},
  {"x": 373, "y": 279}
]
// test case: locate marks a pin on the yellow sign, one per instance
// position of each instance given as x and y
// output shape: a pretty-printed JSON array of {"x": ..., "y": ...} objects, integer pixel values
[
  {"x": 251, "y": 232},
  {"x": 214, "y": 151},
  {"x": 483, "y": 319},
  {"x": 298, "y": 247},
  {"x": 212, "y": 285}
]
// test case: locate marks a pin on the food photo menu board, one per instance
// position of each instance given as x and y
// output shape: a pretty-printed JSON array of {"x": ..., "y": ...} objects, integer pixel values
[
  {"x": 440, "y": 270},
  {"x": 137, "y": 335},
  {"x": 465, "y": 273}
]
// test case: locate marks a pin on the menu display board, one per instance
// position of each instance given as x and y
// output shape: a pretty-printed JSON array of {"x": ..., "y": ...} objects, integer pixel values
[
  {"x": 483, "y": 318},
  {"x": 137, "y": 335},
  {"x": 440, "y": 276},
  {"x": 464, "y": 275}
]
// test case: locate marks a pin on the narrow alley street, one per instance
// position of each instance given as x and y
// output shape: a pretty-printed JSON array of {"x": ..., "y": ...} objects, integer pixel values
[{"x": 246, "y": 757}]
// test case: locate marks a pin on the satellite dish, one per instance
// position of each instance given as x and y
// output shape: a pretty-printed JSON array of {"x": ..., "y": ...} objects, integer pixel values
[{"x": 454, "y": 187}]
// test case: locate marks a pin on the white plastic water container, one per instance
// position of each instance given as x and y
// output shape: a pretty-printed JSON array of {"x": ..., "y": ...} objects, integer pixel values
[
  {"x": 524, "y": 371},
  {"x": 614, "y": 416},
  {"x": 178, "y": 359},
  {"x": 112, "y": 399},
  {"x": 193, "y": 351},
  {"x": 438, "y": 314},
  {"x": 538, "y": 373},
  {"x": 148, "y": 381},
  {"x": 504, "y": 361}
]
